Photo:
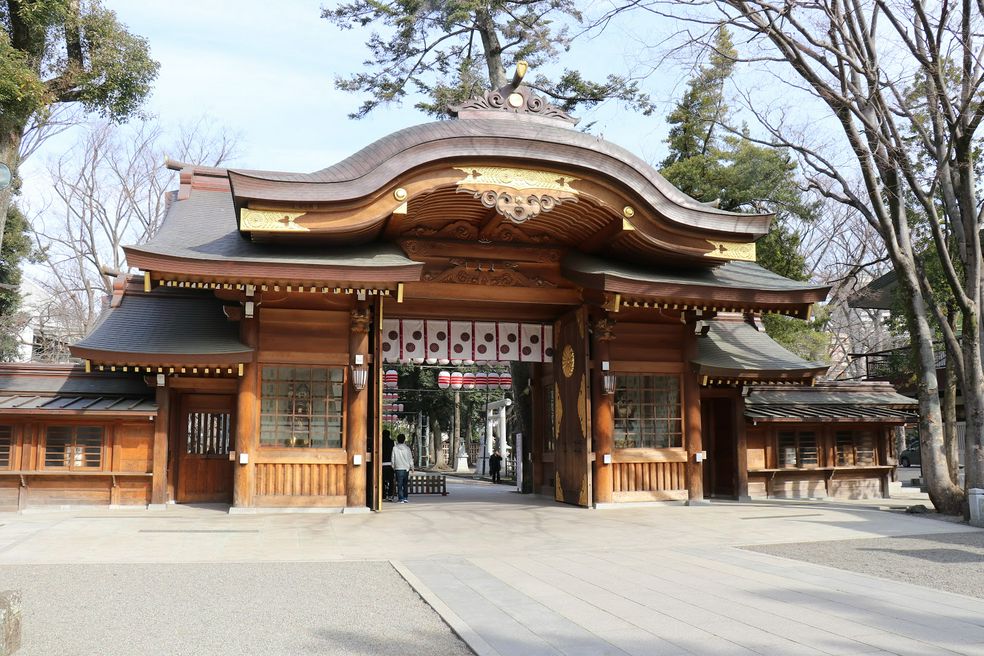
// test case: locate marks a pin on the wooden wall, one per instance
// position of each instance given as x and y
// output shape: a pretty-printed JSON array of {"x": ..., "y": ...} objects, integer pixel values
[
  {"x": 123, "y": 479},
  {"x": 767, "y": 480},
  {"x": 302, "y": 477},
  {"x": 652, "y": 343}
]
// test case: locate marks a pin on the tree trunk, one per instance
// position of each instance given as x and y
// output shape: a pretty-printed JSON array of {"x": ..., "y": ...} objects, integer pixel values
[
  {"x": 947, "y": 497},
  {"x": 9, "y": 146},
  {"x": 492, "y": 47},
  {"x": 973, "y": 397},
  {"x": 951, "y": 449},
  {"x": 456, "y": 436}
]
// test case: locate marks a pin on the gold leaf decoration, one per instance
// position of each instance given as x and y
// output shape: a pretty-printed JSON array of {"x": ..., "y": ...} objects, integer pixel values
[
  {"x": 270, "y": 221},
  {"x": 728, "y": 250},
  {"x": 558, "y": 413},
  {"x": 567, "y": 361},
  {"x": 517, "y": 194},
  {"x": 582, "y": 407},
  {"x": 558, "y": 490}
]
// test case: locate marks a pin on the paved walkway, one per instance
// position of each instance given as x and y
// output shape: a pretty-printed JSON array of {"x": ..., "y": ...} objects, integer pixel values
[{"x": 515, "y": 575}]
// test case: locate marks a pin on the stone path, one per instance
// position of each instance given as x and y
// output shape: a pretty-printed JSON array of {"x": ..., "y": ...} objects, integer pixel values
[{"x": 524, "y": 576}]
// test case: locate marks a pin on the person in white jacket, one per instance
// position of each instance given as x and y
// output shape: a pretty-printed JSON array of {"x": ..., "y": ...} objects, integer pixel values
[{"x": 402, "y": 460}]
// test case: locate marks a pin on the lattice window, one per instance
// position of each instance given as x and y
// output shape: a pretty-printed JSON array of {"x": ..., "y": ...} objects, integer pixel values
[
  {"x": 797, "y": 449},
  {"x": 302, "y": 406},
  {"x": 209, "y": 433},
  {"x": 855, "y": 448},
  {"x": 648, "y": 412},
  {"x": 73, "y": 447},
  {"x": 6, "y": 444}
]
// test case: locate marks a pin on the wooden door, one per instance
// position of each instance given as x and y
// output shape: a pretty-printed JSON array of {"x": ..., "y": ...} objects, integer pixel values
[
  {"x": 720, "y": 442},
  {"x": 204, "y": 468},
  {"x": 572, "y": 410}
]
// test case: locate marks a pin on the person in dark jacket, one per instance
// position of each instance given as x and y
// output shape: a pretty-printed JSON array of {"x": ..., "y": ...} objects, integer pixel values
[
  {"x": 389, "y": 478},
  {"x": 495, "y": 466}
]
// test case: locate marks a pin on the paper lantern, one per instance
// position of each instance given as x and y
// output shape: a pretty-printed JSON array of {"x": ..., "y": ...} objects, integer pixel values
[
  {"x": 444, "y": 379},
  {"x": 468, "y": 380},
  {"x": 456, "y": 379},
  {"x": 431, "y": 360},
  {"x": 417, "y": 360},
  {"x": 492, "y": 380},
  {"x": 481, "y": 380},
  {"x": 391, "y": 378},
  {"x": 505, "y": 381},
  {"x": 390, "y": 396},
  {"x": 443, "y": 361}
]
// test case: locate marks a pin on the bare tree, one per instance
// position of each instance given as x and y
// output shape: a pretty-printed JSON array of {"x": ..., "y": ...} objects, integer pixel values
[
  {"x": 902, "y": 82},
  {"x": 109, "y": 191}
]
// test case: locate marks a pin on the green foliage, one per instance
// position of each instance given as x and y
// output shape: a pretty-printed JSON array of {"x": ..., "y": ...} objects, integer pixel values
[
  {"x": 452, "y": 51},
  {"x": 54, "y": 51},
  {"x": 15, "y": 249},
  {"x": 742, "y": 176}
]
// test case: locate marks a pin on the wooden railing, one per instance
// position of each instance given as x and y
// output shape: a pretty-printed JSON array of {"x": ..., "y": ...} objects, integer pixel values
[
  {"x": 428, "y": 484},
  {"x": 313, "y": 484},
  {"x": 649, "y": 475}
]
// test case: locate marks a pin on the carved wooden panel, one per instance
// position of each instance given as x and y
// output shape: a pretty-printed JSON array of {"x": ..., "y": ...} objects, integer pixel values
[{"x": 572, "y": 411}]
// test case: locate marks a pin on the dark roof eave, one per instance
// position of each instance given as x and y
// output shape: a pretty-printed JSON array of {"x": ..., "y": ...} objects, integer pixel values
[
  {"x": 162, "y": 359},
  {"x": 158, "y": 262},
  {"x": 759, "y": 374},
  {"x": 617, "y": 284},
  {"x": 76, "y": 412}
]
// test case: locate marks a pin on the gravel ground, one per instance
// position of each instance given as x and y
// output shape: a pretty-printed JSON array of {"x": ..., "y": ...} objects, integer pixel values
[
  {"x": 953, "y": 562},
  {"x": 204, "y": 609}
]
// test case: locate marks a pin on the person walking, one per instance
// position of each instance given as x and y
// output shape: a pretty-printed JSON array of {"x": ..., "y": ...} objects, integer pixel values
[
  {"x": 389, "y": 480},
  {"x": 495, "y": 466},
  {"x": 402, "y": 466}
]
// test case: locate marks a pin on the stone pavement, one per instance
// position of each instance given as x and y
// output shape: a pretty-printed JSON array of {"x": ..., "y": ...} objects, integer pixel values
[{"x": 521, "y": 575}]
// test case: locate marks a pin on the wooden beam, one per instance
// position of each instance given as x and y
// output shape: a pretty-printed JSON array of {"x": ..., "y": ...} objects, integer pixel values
[
  {"x": 158, "y": 491},
  {"x": 356, "y": 411},
  {"x": 247, "y": 419},
  {"x": 693, "y": 438},
  {"x": 603, "y": 410},
  {"x": 602, "y": 237}
]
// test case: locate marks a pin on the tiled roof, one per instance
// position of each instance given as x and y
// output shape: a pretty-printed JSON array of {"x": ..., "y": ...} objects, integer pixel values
[
  {"x": 67, "y": 389},
  {"x": 740, "y": 275},
  {"x": 830, "y": 402},
  {"x": 165, "y": 321},
  {"x": 204, "y": 227},
  {"x": 66, "y": 403}
]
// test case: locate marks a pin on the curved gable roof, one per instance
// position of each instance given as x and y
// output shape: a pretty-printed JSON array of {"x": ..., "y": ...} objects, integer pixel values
[{"x": 519, "y": 139}]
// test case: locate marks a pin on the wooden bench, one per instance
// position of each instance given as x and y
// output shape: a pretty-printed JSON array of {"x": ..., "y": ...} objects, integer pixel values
[{"x": 428, "y": 484}]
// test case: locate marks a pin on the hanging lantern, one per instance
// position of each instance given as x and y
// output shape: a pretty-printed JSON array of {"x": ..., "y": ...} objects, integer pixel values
[
  {"x": 492, "y": 380},
  {"x": 456, "y": 380},
  {"x": 443, "y": 361},
  {"x": 391, "y": 378},
  {"x": 444, "y": 379},
  {"x": 468, "y": 380},
  {"x": 505, "y": 381},
  {"x": 390, "y": 396},
  {"x": 417, "y": 360},
  {"x": 481, "y": 380},
  {"x": 431, "y": 360}
]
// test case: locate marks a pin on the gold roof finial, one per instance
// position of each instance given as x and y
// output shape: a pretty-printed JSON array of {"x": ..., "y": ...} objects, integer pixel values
[{"x": 521, "y": 68}]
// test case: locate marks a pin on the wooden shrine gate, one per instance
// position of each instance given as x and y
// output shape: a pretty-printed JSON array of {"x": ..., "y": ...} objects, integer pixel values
[{"x": 572, "y": 407}]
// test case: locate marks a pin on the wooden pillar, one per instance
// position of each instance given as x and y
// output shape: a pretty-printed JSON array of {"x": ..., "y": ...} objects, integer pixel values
[
  {"x": 247, "y": 419},
  {"x": 691, "y": 419},
  {"x": 741, "y": 440},
  {"x": 158, "y": 486},
  {"x": 603, "y": 410},
  {"x": 356, "y": 411}
]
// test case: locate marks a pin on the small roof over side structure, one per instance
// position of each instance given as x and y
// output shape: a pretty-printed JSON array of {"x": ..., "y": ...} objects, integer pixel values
[
  {"x": 735, "y": 350},
  {"x": 834, "y": 402},
  {"x": 66, "y": 390},
  {"x": 165, "y": 328}
]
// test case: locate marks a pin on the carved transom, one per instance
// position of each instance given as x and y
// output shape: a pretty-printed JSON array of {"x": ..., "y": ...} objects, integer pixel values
[
  {"x": 493, "y": 274},
  {"x": 517, "y": 194}
]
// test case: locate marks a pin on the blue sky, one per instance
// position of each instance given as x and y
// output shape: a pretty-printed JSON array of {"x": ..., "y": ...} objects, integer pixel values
[{"x": 268, "y": 75}]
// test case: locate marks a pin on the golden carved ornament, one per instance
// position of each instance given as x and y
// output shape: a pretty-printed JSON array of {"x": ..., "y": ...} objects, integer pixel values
[
  {"x": 567, "y": 361},
  {"x": 604, "y": 329},
  {"x": 360, "y": 320},
  {"x": 517, "y": 194},
  {"x": 729, "y": 250},
  {"x": 558, "y": 490},
  {"x": 400, "y": 194},
  {"x": 628, "y": 211},
  {"x": 582, "y": 406},
  {"x": 270, "y": 221}
]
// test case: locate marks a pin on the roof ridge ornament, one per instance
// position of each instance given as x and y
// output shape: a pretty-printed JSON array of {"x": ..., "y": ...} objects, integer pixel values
[{"x": 512, "y": 100}]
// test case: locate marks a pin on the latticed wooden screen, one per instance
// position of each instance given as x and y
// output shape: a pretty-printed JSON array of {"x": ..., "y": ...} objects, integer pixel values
[
  {"x": 73, "y": 447},
  {"x": 6, "y": 443},
  {"x": 209, "y": 433},
  {"x": 797, "y": 449},
  {"x": 302, "y": 406}
]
